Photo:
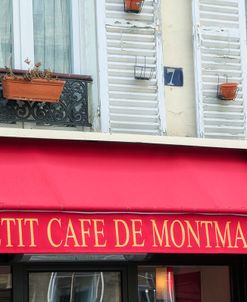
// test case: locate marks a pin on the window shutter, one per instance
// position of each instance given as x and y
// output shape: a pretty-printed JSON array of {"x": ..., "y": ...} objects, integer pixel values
[
  {"x": 220, "y": 53},
  {"x": 135, "y": 106}
]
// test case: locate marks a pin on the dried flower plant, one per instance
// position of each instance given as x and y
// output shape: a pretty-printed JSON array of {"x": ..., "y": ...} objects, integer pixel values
[{"x": 33, "y": 72}]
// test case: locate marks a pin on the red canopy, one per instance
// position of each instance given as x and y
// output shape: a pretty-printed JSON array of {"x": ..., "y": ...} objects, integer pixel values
[{"x": 96, "y": 176}]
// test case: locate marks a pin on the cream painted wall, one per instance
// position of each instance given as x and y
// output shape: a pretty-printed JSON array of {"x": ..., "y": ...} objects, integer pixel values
[{"x": 178, "y": 52}]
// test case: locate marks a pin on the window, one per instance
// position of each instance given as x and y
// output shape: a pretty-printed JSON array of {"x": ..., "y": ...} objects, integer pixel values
[
  {"x": 139, "y": 278},
  {"x": 183, "y": 283},
  {"x": 5, "y": 284},
  {"x": 75, "y": 286},
  {"x": 61, "y": 35},
  {"x": 48, "y": 31},
  {"x": 5, "y": 33},
  {"x": 52, "y": 34}
]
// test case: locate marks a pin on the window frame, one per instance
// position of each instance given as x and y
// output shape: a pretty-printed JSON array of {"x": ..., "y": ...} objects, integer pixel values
[
  {"x": 21, "y": 271},
  {"x": 237, "y": 267}
]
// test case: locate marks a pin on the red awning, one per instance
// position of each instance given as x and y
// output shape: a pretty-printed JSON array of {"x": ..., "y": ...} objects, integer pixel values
[{"x": 91, "y": 176}]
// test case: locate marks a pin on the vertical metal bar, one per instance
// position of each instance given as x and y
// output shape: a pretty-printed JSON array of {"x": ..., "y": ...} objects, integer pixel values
[
  {"x": 132, "y": 273},
  {"x": 19, "y": 283}
]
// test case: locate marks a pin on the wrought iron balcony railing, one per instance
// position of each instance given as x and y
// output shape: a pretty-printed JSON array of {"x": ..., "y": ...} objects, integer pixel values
[{"x": 70, "y": 111}]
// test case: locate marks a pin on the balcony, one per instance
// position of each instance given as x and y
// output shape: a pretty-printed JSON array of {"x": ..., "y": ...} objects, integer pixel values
[{"x": 70, "y": 111}]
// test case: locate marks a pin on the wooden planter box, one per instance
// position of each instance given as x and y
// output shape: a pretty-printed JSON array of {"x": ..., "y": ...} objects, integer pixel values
[{"x": 36, "y": 90}]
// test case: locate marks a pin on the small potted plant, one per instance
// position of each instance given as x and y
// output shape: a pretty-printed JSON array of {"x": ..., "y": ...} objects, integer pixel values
[
  {"x": 227, "y": 91},
  {"x": 33, "y": 85},
  {"x": 133, "y": 6}
]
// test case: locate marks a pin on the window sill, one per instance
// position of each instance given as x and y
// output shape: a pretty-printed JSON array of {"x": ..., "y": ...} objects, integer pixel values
[{"x": 122, "y": 138}]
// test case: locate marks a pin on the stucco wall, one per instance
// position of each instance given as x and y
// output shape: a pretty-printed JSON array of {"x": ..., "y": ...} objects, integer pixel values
[{"x": 178, "y": 52}]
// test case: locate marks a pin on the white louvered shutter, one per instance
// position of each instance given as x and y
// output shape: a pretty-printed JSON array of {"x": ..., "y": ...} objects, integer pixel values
[
  {"x": 135, "y": 106},
  {"x": 220, "y": 51}
]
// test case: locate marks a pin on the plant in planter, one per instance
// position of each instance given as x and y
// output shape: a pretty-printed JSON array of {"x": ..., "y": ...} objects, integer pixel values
[
  {"x": 133, "y": 6},
  {"x": 33, "y": 85}
]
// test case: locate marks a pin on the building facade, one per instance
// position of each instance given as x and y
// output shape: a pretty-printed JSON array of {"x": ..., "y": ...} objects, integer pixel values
[{"x": 130, "y": 187}]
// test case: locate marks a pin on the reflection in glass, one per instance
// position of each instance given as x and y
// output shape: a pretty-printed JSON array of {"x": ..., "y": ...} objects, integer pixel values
[
  {"x": 75, "y": 287},
  {"x": 183, "y": 284},
  {"x": 5, "y": 284},
  {"x": 156, "y": 284}
]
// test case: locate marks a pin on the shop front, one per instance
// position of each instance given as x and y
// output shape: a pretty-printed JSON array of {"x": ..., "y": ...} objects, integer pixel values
[{"x": 97, "y": 222}]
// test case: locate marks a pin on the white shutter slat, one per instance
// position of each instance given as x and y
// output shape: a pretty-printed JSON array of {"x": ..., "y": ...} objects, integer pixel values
[
  {"x": 133, "y": 104},
  {"x": 219, "y": 54}
]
